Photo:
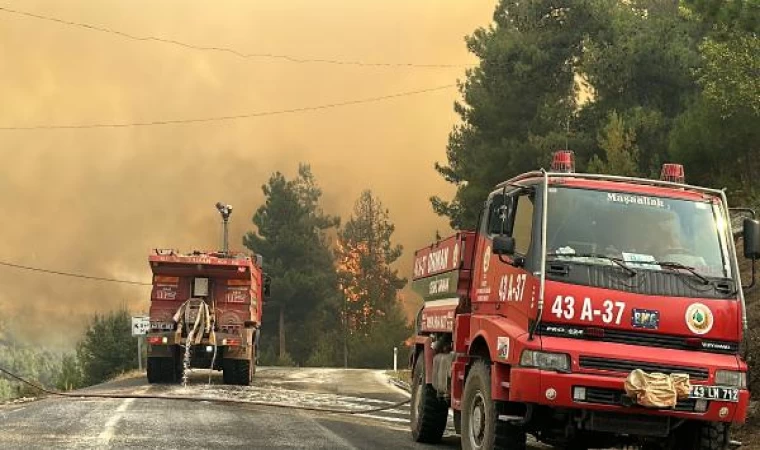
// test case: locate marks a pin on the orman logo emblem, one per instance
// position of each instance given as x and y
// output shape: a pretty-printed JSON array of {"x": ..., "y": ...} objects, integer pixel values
[
  {"x": 486, "y": 259},
  {"x": 699, "y": 318}
]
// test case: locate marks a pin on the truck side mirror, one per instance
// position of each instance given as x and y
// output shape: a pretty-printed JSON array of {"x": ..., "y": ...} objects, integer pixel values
[
  {"x": 751, "y": 239},
  {"x": 503, "y": 245}
]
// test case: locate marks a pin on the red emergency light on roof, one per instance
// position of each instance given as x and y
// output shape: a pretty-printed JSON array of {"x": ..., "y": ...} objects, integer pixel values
[
  {"x": 673, "y": 173},
  {"x": 563, "y": 161}
]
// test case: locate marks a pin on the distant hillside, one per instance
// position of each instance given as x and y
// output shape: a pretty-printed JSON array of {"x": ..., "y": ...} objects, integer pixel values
[{"x": 32, "y": 363}]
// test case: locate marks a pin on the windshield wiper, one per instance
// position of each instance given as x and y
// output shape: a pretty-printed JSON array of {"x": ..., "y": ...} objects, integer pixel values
[
  {"x": 617, "y": 261},
  {"x": 677, "y": 265}
]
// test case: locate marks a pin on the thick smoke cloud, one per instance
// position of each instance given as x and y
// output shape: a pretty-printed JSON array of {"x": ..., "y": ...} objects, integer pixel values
[{"x": 96, "y": 201}]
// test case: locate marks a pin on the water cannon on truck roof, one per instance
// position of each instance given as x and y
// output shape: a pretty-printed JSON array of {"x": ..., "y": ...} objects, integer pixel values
[
  {"x": 205, "y": 312},
  {"x": 587, "y": 310}
]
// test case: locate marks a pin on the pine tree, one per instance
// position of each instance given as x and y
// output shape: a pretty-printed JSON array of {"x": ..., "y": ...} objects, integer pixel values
[
  {"x": 372, "y": 309},
  {"x": 291, "y": 234},
  {"x": 517, "y": 103},
  {"x": 621, "y": 152},
  {"x": 107, "y": 348}
]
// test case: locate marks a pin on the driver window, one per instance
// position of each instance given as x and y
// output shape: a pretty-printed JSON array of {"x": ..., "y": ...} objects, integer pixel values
[{"x": 522, "y": 229}]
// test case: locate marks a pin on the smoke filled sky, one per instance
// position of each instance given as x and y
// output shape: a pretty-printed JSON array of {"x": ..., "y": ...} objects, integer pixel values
[{"x": 97, "y": 200}]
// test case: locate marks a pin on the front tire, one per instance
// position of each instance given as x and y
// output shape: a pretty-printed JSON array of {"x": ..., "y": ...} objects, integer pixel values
[
  {"x": 481, "y": 427},
  {"x": 428, "y": 413},
  {"x": 703, "y": 436}
]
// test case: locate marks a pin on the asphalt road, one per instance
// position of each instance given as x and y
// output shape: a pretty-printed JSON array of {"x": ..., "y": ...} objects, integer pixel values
[{"x": 157, "y": 423}]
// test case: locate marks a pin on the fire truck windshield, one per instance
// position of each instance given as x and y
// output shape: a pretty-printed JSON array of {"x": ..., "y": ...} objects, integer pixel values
[{"x": 638, "y": 230}]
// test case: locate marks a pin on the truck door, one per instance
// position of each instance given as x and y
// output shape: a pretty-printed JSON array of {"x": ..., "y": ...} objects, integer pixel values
[
  {"x": 509, "y": 284},
  {"x": 490, "y": 225}
]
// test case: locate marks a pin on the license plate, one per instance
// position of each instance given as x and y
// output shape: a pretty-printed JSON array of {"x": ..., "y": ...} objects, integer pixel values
[{"x": 720, "y": 393}]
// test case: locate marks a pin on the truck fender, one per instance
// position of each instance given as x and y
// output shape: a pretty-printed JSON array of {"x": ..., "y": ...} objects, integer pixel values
[
  {"x": 479, "y": 347},
  {"x": 423, "y": 349}
]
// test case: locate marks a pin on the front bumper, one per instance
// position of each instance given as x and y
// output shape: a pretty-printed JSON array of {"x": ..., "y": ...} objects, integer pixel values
[{"x": 555, "y": 390}]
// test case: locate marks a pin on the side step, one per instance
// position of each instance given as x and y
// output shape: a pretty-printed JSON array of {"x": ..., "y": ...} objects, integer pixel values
[{"x": 511, "y": 419}]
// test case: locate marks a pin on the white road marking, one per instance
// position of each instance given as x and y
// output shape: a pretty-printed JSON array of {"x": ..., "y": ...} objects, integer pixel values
[
  {"x": 334, "y": 437},
  {"x": 384, "y": 418},
  {"x": 108, "y": 432},
  {"x": 110, "y": 426}
]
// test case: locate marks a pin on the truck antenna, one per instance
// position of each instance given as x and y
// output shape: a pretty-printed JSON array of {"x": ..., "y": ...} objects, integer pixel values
[{"x": 225, "y": 211}]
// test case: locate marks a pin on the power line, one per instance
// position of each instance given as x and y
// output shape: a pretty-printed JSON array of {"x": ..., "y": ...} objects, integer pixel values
[
  {"x": 225, "y": 118},
  {"x": 73, "y": 275},
  {"x": 228, "y": 50}
]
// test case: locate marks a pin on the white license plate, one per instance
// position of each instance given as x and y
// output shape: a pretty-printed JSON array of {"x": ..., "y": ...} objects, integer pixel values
[{"x": 719, "y": 393}]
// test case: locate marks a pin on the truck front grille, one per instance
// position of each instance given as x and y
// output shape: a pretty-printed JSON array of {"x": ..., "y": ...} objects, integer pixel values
[
  {"x": 626, "y": 366},
  {"x": 642, "y": 338},
  {"x": 615, "y": 397}
]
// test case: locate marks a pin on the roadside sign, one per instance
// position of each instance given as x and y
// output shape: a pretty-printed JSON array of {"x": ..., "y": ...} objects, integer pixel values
[{"x": 140, "y": 326}]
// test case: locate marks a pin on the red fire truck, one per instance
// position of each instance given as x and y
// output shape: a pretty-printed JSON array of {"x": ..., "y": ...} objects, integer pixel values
[
  {"x": 205, "y": 312},
  {"x": 533, "y": 323}
]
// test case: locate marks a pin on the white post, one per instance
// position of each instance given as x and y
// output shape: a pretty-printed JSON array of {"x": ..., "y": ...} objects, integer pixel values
[
  {"x": 395, "y": 359},
  {"x": 139, "y": 352}
]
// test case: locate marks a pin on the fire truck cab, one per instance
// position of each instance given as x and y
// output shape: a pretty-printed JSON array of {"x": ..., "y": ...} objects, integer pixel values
[{"x": 574, "y": 289}]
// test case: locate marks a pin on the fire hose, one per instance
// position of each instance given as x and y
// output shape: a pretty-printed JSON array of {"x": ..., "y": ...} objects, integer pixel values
[
  {"x": 203, "y": 323},
  {"x": 116, "y": 395}
]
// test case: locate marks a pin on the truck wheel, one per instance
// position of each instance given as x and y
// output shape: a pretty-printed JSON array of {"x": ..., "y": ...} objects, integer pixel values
[
  {"x": 154, "y": 371},
  {"x": 160, "y": 370},
  {"x": 236, "y": 371},
  {"x": 481, "y": 428},
  {"x": 703, "y": 436},
  {"x": 428, "y": 413}
]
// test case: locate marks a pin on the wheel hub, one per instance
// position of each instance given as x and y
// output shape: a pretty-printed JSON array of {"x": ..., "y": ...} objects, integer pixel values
[{"x": 477, "y": 420}]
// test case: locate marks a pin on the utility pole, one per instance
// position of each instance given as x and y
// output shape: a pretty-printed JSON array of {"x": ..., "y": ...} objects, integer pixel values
[{"x": 139, "y": 352}]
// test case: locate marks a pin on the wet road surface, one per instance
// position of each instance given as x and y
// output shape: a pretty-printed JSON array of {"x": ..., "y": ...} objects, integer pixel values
[{"x": 157, "y": 423}]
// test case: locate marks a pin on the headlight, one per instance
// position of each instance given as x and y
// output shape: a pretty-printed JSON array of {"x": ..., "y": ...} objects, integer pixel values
[
  {"x": 731, "y": 378},
  {"x": 559, "y": 362}
]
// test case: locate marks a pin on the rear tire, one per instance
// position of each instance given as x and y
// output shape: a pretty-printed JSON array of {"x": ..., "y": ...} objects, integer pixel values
[
  {"x": 481, "y": 427},
  {"x": 161, "y": 370},
  {"x": 428, "y": 413},
  {"x": 237, "y": 372}
]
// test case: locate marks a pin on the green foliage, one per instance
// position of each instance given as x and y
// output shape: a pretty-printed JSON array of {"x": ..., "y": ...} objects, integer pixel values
[
  {"x": 107, "y": 348},
  {"x": 718, "y": 151},
  {"x": 291, "y": 231},
  {"x": 374, "y": 347},
  {"x": 730, "y": 74},
  {"x": 621, "y": 152},
  {"x": 517, "y": 101},
  {"x": 284, "y": 361},
  {"x": 668, "y": 81},
  {"x": 70, "y": 376},
  {"x": 38, "y": 366},
  {"x": 327, "y": 351},
  {"x": 717, "y": 16}
]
